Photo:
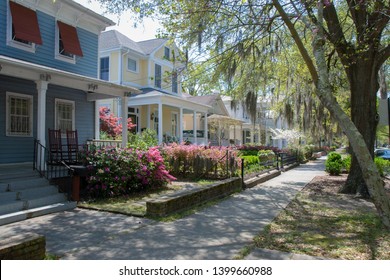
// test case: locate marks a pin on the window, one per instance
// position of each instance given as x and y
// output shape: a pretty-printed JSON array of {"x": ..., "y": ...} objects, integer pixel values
[
  {"x": 174, "y": 82},
  {"x": 174, "y": 124},
  {"x": 64, "y": 115},
  {"x": 133, "y": 114},
  {"x": 156, "y": 120},
  {"x": 19, "y": 114},
  {"x": 132, "y": 65},
  {"x": 23, "y": 28},
  {"x": 105, "y": 68},
  {"x": 67, "y": 42},
  {"x": 167, "y": 53},
  {"x": 157, "y": 76}
]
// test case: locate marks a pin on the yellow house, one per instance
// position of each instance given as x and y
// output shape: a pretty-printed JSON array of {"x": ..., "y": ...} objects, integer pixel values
[{"x": 154, "y": 67}]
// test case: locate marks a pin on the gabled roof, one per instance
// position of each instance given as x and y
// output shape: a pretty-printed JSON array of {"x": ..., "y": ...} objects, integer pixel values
[
  {"x": 113, "y": 39},
  {"x": 213, "y": 100},
  {"x": 150, "y": 46}
]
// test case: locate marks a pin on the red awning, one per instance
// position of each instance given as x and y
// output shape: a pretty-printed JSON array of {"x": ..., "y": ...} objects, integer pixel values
[
  {"x": 69, "y": 38},
  {"x": 25, "y": 23}
]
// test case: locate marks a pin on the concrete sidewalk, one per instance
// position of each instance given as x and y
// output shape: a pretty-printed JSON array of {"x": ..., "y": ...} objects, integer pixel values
[{"x": 217, "y": 232}]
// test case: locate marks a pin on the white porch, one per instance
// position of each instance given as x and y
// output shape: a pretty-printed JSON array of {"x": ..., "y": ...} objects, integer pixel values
[{"x": 167, "y": 115}]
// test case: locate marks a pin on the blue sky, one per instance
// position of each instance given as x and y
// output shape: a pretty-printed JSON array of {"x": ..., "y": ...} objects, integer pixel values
[{"x": 145, "y": 31}]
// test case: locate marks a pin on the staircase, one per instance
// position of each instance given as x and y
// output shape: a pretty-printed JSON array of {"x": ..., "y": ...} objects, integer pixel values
[{"x": 25, "y": 194}]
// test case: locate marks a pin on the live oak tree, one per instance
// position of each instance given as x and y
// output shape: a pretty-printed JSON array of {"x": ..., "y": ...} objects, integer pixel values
[{"x": 241, "y": 34}]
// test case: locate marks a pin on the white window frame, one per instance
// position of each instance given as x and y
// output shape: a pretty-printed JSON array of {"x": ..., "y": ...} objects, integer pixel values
[
  {"x": 100, "y": 66},
  {"x": 57, "y": 54},
  {"x": 31, "y": 47},
  {"x": 134, "y": 111},
  {"x": 136, "y": 64},
  {"x": 56, "y": 120},
  {"x": 8, "y": 112},
  {"x": 169, "y": 53},
  {"x": 175, "y": 117}
]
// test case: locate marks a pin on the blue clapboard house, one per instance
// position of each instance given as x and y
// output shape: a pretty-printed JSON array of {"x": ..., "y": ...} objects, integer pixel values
[{"x": 48, "y": 80}]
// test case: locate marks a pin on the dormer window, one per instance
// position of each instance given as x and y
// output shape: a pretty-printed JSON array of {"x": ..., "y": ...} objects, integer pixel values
[
  {"x": 23, "y": 28},
  {"x": 167, "y": 53},
  {"x": 67, "y": 42}
]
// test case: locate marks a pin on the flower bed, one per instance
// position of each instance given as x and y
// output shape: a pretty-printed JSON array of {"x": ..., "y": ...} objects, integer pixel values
[
  {"x": 201, "y": 161},
  {"x": 117, "y": 171}
]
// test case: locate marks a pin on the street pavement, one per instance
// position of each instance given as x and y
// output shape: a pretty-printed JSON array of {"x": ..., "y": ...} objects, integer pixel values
[{"x": 218, "y": 232}]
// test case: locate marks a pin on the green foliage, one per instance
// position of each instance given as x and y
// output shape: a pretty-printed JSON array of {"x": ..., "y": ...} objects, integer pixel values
[
  {"x": 347, "y": 163},
  {"x": 250, "y": 160},
  {"x": 143, "y": 141},
  {"x": 383, "y": 165},
  {"x": 308, "y": 151},
  {"x": 333, "y": 163},
  {"x": 266, "y": 155}
]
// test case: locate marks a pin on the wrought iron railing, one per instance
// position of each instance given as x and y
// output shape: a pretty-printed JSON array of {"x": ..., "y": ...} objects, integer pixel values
[{"x": 47, "y": 164}]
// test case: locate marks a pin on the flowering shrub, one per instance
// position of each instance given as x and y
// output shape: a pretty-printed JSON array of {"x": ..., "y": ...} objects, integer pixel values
[
  {"x": 266, "y": 155},
  {"x": 117, "y": 171},
  {"x": 195, "y": 161},
  {"x": 110, "y": 125},
  {"x": 252, "y": 150}
]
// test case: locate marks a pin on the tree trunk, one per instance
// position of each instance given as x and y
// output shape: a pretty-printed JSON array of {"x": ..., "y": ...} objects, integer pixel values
[
  {"x": 324, "y": 92},
  {"x": 363, "y": 80}
]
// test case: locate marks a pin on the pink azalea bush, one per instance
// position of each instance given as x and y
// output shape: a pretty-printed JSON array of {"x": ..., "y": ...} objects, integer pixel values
[
  {"x": 117, "y": 171},
  {"x": 194, "y": 160}
]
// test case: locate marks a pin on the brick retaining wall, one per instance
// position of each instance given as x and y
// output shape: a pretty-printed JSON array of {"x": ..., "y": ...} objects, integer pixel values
[
  {"x": 23, "y": 247},
  {"x": 177, "y": 202}
]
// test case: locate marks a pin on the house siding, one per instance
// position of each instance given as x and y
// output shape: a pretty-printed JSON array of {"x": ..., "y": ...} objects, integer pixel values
[
  {"x": 45, "y": 53},
  {"x": 84, "y": 111},
  {"x": 15, "y": 149},
  {"x": 21, "y": 149}
]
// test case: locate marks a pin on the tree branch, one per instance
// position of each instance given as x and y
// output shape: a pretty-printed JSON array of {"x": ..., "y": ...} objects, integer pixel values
[
  {"x": 383, "y": 55},
  {"x": 305, "y": 55},
  {"x": 336, "y": 35}
]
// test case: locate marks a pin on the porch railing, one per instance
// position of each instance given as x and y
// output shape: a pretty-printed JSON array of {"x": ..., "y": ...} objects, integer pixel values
[
  {"x": 104, "y": 143},
  {"x": 50, "y": 169}
]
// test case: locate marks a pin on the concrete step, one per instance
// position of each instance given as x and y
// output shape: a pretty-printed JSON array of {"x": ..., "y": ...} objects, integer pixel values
[
  {"x": 12, "y": 206},
  {"x": 37, "y": 192},
  {"x": 46, "y": 200},
  {"x": 27, "y": 184},
  {"x": 3, "y": 187},
  {"x": 17, "y": 174},
  {"x": 6, "y": 197},
  {"x": 36, "y": 212}
]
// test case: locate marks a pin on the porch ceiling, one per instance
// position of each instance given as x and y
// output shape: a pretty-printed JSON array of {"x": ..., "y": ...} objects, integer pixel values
[
  {"x": 95, "y": 88},
  {"x": 156, "y": 97}
]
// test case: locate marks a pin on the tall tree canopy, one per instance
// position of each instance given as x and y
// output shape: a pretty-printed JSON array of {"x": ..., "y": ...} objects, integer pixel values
[{"x": 243, "y": 39}]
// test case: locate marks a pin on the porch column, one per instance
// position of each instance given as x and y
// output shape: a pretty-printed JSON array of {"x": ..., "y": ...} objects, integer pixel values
[
  {"x": 41, "y": 118},
  {"x": 160, "y": 123},
  {"x": 195, "y": 127},
  {"x": 125, "y": 132},
  {"x": 97, "y": 121},
  {"x": 181, "y": 125},
  {"x": 206, "y": 129},
  {"x": 148, "y": 117}
]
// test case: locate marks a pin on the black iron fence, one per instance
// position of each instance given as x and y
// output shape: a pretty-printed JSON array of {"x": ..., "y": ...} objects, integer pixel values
[{"x": 278, "y": 162}]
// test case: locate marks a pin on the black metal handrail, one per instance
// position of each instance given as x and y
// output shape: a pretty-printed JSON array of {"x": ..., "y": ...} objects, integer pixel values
[{"x": 46, "y": 163}]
